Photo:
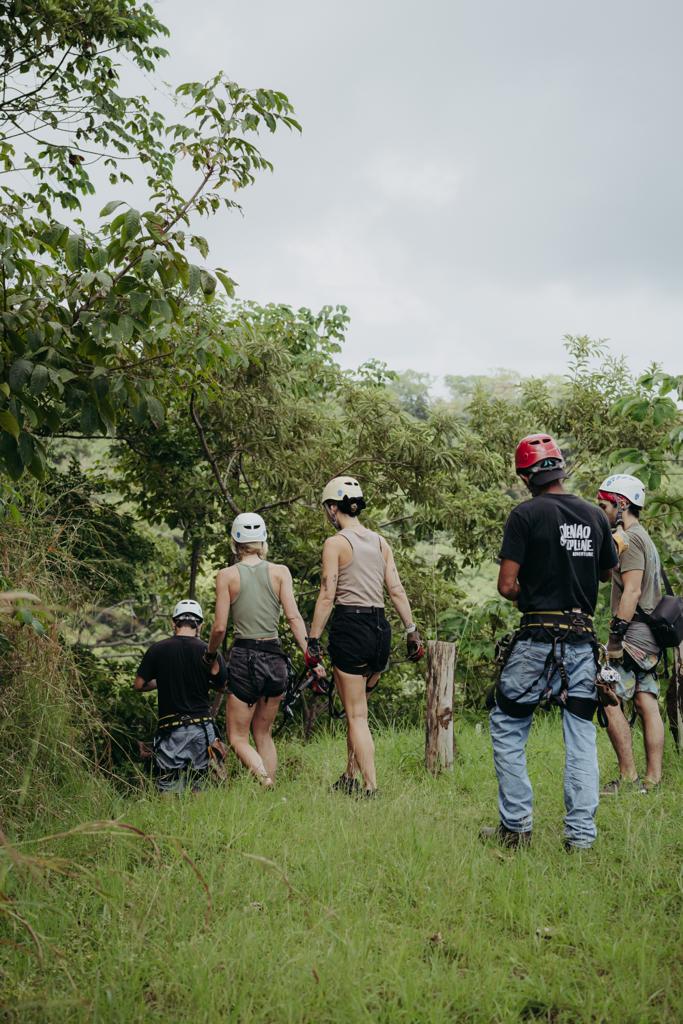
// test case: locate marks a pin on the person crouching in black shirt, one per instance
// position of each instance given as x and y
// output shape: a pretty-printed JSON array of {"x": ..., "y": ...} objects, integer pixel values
[
  {"x": 186, "y": 734},
  {"x": 556, "y": 548}
]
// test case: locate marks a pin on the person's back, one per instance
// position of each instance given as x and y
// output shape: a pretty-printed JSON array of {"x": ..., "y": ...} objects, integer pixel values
[
  {"x": 256, "y": 609},
  {"x": 561, "y": 543},
  {"x": 361, "y": 579},
  {"x": 181, "y": 676}
]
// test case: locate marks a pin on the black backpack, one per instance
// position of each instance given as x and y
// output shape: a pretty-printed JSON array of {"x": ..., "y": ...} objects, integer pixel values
[{"x": 666, "y": 620}]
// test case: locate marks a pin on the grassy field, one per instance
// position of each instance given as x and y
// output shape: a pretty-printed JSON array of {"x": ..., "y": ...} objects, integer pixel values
[{"x": 301, "y": 905}]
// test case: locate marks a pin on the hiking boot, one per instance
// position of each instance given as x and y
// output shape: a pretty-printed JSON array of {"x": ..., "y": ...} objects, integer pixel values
[
  {"x": 616, "y": 786},
  {"x": 345, "y": 784},
  {"x": 505, "y": 836}
]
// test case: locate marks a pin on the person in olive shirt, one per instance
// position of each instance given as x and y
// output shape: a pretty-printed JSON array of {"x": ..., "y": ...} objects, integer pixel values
[
  {"x": 632, "y": 647},
  {"x": 176, "y": 669},
  {"x": 556, "y": 548},
  {"x": 255, "y": 592}
]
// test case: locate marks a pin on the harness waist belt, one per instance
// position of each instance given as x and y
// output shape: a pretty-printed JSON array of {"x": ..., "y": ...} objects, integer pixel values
[
  {"x": 271, "y": 646},
  {"x": 357, "y": 609},
  {"x": 572, "y": 621},
  {"x": 176, "y": 721},
  {"x": 582, "y": 707}
]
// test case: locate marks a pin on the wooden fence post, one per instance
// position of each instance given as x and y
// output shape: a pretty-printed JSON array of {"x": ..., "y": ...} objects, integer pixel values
[
  {"x": 674, "y": 698},
  {"x": 439, "y": 732}
]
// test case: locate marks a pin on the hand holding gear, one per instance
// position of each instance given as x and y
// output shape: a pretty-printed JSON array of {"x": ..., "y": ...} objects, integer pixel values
[
  {"x": 416, "y": 648},
  {"x": 617, "y": 631},
  {"x": 210, "y": 658},
  {"x": 606, "y": 681},
  {"x": 313, "y": 655}
]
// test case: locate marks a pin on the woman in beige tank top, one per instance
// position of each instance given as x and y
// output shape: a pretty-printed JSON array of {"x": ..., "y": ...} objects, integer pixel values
[
  {"x": 357, "y": 565},
  {"x": 256, "y": 592}
]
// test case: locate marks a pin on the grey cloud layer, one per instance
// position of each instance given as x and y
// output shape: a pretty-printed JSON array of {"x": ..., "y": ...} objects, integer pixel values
[{"x": 474, "y": 179}]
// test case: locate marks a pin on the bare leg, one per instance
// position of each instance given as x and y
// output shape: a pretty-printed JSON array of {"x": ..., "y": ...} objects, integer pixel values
[
  {"x": 653, "y": 732},
  {"x": 351, "y": 763},
  {"x": 352, "y": 692},
  {"x": 262, "y": 730},
  {"x": 619, "y": 733},
  {"x": 351, "y": 766},
  {"x": 239, "y": 718}
]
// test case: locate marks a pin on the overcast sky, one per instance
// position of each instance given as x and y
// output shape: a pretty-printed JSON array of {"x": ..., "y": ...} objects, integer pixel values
[{"x": 475, "y": 178}]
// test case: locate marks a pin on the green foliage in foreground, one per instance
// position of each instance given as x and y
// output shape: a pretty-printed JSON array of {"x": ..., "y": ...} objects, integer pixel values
[{"x": 324, "y": 909}]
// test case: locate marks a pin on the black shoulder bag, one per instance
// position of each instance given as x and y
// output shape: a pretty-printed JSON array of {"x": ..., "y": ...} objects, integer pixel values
[{"x": 666, "y": 620}]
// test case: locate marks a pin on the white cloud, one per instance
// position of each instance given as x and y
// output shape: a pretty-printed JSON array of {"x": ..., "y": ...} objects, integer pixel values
[{"x": 414, "y": 179}]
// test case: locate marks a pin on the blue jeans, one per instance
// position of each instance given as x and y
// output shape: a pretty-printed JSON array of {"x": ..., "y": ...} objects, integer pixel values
[{"x": 525, "y": 671}]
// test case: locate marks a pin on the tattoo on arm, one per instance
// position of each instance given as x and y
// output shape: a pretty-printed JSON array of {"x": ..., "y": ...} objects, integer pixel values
[{"x": 329, "y": 585}]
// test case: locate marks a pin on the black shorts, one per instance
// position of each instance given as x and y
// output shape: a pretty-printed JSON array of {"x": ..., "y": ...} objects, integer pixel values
[
  {"x": 359, "y": 640},
  {"x": 257, "y": 668}
]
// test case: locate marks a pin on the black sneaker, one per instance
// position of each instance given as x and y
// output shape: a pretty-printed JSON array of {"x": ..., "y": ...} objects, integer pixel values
[
  {"x": 622, "y": 785},
  {"x": 505, "y": 836},
  {"x": 345, "y": 784}
]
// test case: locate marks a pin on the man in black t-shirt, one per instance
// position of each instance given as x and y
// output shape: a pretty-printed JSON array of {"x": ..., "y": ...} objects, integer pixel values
[
  {"x": 556, "y": 548},
  {"x": 177, "y": 670}
]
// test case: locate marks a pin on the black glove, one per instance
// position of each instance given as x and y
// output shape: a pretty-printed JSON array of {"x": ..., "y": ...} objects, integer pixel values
[
  {"x": 313, "y": 654},
  {"x": 617, "y": 632},
  {"x": 208, "y": 657},
  {"x": 416, "y": 649}
]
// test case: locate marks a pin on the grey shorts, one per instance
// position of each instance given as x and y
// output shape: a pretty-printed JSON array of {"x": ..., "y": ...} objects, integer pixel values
[
  {"x": 636, "y": 678},
  {"x": 257, "y": 671},
  {"x": 181, "y": 757}
]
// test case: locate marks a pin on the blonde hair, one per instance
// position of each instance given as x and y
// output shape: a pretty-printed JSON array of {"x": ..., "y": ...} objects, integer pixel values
[{"x": 254, "y": 547}]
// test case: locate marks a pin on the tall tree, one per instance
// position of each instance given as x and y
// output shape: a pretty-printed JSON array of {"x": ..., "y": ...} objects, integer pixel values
[{"x": 90, "y": 312}]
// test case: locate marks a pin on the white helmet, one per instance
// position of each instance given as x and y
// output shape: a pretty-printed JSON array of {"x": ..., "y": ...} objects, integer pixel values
[
  {"x": 248, "y": 528},
  {"x": 345, "y": 491},
  {"x": 188, "y": 608},
  {"x": 625, "y": 486}
]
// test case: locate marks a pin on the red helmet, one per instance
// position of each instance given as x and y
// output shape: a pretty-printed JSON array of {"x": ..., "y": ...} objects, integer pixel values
[{"x": 537, "y": 450}]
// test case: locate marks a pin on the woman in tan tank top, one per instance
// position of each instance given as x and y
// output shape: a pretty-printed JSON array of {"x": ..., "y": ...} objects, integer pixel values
[
  {"x": 357, "y": 565},
  {"x": 256, "y": 591}
]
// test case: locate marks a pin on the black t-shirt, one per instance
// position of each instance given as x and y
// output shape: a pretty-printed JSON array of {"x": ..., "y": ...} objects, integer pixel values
[
  {"x": 562, "y": 544},
  {"x": 183, "y": 680}
]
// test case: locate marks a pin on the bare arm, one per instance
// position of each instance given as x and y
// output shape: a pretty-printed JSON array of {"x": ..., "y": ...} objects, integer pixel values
[
  {"x": 144, "y": 685},
  {"x": 290, "y": 607},
  {"x": 395, "y": 588},
  {"x": 328, "y": 586},
  {"x": 633, "y": 581},
  {"x": 508, "y": 586},
  {"x": 220, "y": 618}
]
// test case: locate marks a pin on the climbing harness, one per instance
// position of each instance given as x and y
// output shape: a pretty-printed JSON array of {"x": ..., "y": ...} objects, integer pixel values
[
  {"x": 556, "y": 627},
  {"x": 216, "y": 748}
]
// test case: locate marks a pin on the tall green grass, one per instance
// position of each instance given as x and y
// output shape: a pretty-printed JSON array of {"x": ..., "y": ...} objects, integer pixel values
[{"x": 300, "y": 905}]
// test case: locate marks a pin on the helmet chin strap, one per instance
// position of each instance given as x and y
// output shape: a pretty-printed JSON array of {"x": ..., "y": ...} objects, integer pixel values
[{"x": 332, "y": 517}]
